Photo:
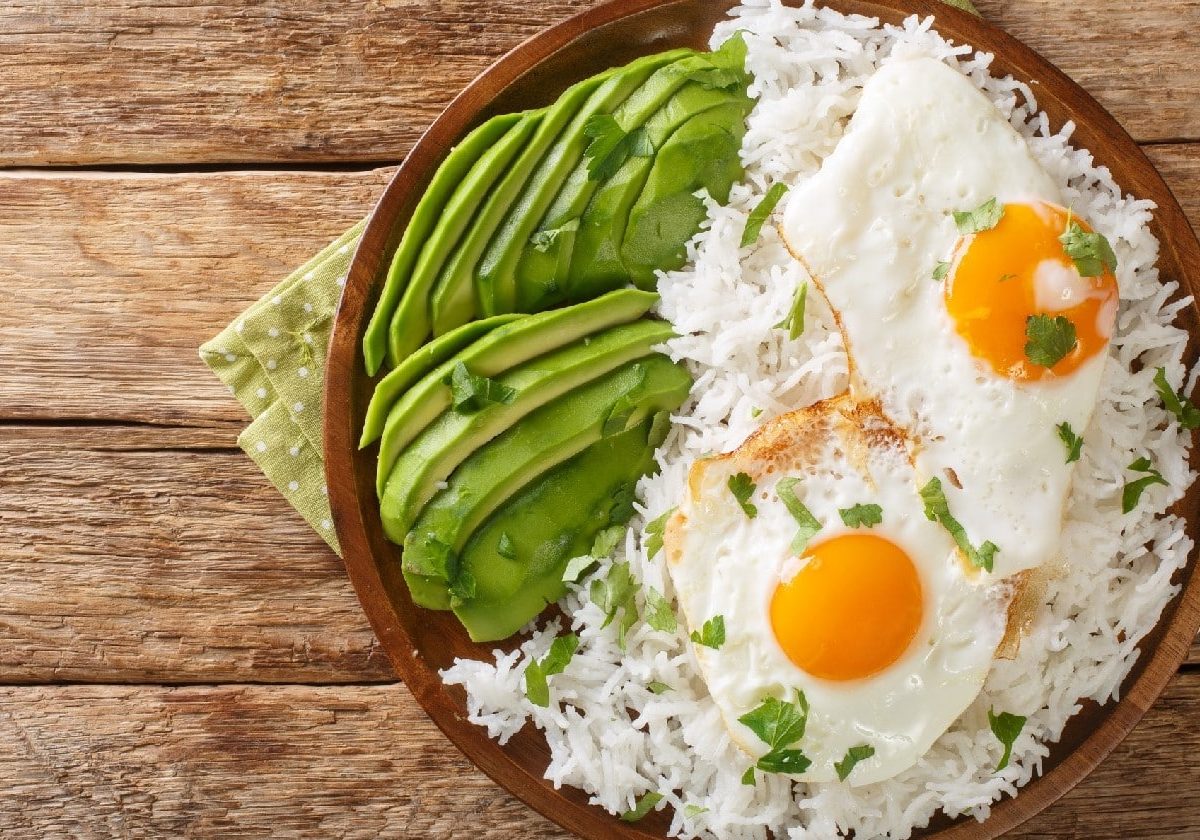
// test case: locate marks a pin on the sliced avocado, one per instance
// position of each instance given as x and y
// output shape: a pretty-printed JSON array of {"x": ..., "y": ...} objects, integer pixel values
[
  {"x": 454, "y": 300},
  {"x": 702, "y": 154},
  {"x": 495, "y": 277},
  {"x": 499, "y": 350},
  {"x": 419, "y": 363},
  {"x": 554, "y": 519},
  {"x": 411, "y": 325},
  {"x": 454, "y": 436},
  {"x": 547, "y": 437},
  {"x": 429, "y": 211}
]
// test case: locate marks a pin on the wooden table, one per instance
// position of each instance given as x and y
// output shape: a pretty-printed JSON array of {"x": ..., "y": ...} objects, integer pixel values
[{"x": 179, "y": 654}]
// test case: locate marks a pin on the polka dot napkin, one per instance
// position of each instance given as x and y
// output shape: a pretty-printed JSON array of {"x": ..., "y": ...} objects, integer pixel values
[{"x": 272, "y": 357}]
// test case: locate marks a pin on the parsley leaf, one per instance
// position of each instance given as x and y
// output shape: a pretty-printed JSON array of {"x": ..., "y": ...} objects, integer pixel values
[
  {"x": 784, "y": 761},
  {"x": 1090, "y": 252},
  {"x": 471, "y": 392},
  {"x": 809, "y": 526},
  {"x": 616, "y": 593},
  {"x": 1132, "y": 493},
  {"x": 712, "y": 634},
  {"x": 554, "y": 662},
  {"x": 659, "y": 613},
  {"x": 1072, "y": 441},
  {"x": 1185, "y": 412},
  {"x": 761, "y": 212},
  {"x": 657, "y": 687},
  {"x": 861, "y": 515},
  {"x": 505, "y": 547},
  {"x": 1049, "y": 340},
  {"x": 984, "y": 217},
  {"x": 654, "y": 533},
  {"x": 1006, "y": 727},
  {"x": 602, "y": 546},
  {"x": 937, "y": 509},
  {"x": 642, "y": 806},
  {"x": 611, "y": 146},
  {"x": 794, "y": 321},
  {"x": 748, "y": 776},
  {"x": 693, "y": 810},
  {"x": 853, "y": 756},
  {"x": 779, "y": 725},
  {"x": 755, "y": 411},
  {"x": 742, "y": 489},
  {"x": 543, "y": 240},
  {"x": 941, "y": 270}
]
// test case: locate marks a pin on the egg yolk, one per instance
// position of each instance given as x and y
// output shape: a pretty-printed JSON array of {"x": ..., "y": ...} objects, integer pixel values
[
  {"x": 1002, "y": 276},
  {"x": 851, "y": 610}
]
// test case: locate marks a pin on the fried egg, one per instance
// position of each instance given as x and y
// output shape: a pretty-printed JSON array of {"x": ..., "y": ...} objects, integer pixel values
[
  {"x": 935, "y": 319},
  {"x": 879, "y": 626}
]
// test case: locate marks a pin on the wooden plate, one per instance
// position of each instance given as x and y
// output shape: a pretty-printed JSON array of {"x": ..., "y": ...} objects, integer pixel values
[{"x": 420, "y": 642}]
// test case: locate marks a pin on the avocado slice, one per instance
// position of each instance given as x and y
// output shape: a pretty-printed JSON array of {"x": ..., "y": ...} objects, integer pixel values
[
  {"x": 702, "y": 154},
  {"x": 554, "y": 519},
  {"x": 554, "y": 433},
  {"x": 454, "y": 299},
  {"x": 429, "y": 211},
  {"x": 419, "y": 363},
  {"x": 495, "y": 278},
  {"x": 453, "y": 436},
  {"x": 410, "y": 324},
  {"x": 499, "y": 350}
]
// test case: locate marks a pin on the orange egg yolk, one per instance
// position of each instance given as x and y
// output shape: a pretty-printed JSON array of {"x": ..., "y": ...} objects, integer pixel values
[
  {"x": 851, "y": 610},
  {"x": 1000, "y": 277}
]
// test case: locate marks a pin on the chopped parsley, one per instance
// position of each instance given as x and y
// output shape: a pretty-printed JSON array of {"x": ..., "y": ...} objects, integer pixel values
[
  {"x": 1090, "y": 252},
  {"x": 861, "y": 515},
  {"x": 755, "y": 411},
  {"x": 654, "y": 533},
  {"x": 642, "y": 806},
  {"x": 794, "y": 322},
  {"x": 1132, "y": 493},
  {"x": 748, "y": 776},
  {"x": 712, "y": 634},
  {"x": 779, "y": 725},
  {"x": 615, "y": 593},
  {"x": 657, "y": 687},
  {"x": 602, "y": 546},
  {"x": 984, "y": 217},
  {"x": 941, "y": 270},
  {"x": 554, "y": 662},
  {"x": 809, "y": 526},
  {"x": 693, "y": 810},
  {"x": 659, "y": 613},
  {"x": 505, "y": 548},
  {"x": 1185, "y": 412},
  {"x": 1004, "y": 278},
  {"x": 611, "y": 146},
  {"x": 471, "y": 392},
  {"x": 761, "y": 212},
  {"x": 937, "y": 509},
  {"x": 853, "y": 756},
  {"x": 742, "y": 489},
  {"x": 543, "y": 240},
  {"x": 1006, "y": 727},
  {"x": 1048, "y": 340},
  {"x": 1072, "y": 441}
]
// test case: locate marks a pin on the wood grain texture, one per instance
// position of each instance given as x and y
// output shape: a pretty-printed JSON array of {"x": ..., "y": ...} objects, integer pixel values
[
  {"x": 352, "y": 762},
  {"x": 157, "y": 82}
]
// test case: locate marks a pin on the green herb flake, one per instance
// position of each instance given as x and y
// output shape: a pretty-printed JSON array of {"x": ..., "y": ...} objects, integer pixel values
[
  {"x": 784, "y": 761},
  {"x": 554, "y": 662},
  {"x": 1090, "y": 252},
  {"x": 690, "y": 811},
  {"x": 794, "y": 322},
  {"x": 642, "y": 806},
  {"x": 611, "y": 146},
  {"x": 659, "y": 613},
  {"x": 1185, "y": 412},
  {"x": 941, "y": 270},
  {"x": 470, "y": 392},
  {"x": 462, "y": 588},
  {"x": 657, "y": 687},
  {"x": 809, "y": 525},
  {"x": 984, "y": 217},
  {"x": 742, "y": 489},
  {"x": 1048, "y": 340},
  {"x": 1004, "y": 278},
  {"x": 748, "y": 776},
  {"x": 654, "y": 533},
  {"x": 505, "y": 548},
  {"x": 755, "y": 411},
  {"x": 615, "y": 593},
  {"x": 543, "y": 240},
  {"x": 712, "y": 634},
  {"x": 853, "y": 756},
  {"x": 576, "y": 566},
  {"x": 761, "y": 212},
  {"x": 1006, "y": 727},
  {"x": 861, "y": 516},
  {"x": 1132, "y": 492},
  {"x": 1072, "y": 441},
  {"x": 937, "y": 509},
  {"x": 779, "y": 724}
]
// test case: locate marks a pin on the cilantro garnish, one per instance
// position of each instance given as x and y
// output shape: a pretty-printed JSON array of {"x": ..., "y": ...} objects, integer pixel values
[
  {"x": 937, "y": 509},
  {"x": 984, "y": 217},
  {"x": 505, "y": 548},
  {"x": 1090, "y": 252},
  {"x": 693, "y": 810},
  {"x": 614, "y": 593},
  {"x": 657, "y": 687},
  {"x": 1004, "y": 278},
  {"x": 742, "y": 489},
  {"x": 748, "y": 776},
  {"x": 554, "y": 662},
  {"x": 471, "y": 392},
  {"x": 602, "y": 546},
  {"x": 794, "y": 321},
  {"x": 712, "y": 634},
  {"x": 611, "y": 146},
  {"x": 1185, "y": 412},
  {"x": 543, "y": 240},
  {"x": 779, "y": 725},
  {"x": 654, "y": 533},
  {"x": 1072, "y": 441},
  {"x": 941, "y": 270},
  {"x": 859, "y": 516},
  {"x": 642, "y": 806},
  {"x": 809, "y": 526},
  {"x": 761, "y": 212},
  {"x": 1132, "y": 493},
  {"x": 1006, "y": 727},
  {"x": 659, "y": 613},
  {"x": 1048, "y": 340},
  {"x": 755, "y": 411},
  {"x": 853, "y": 756}
]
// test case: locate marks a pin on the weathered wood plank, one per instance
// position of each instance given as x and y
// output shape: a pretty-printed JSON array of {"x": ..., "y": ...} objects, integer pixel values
[
  {"x": 163, "y": 555},
  {"x": 364, "y": 762},
  {"x": 164, "y": 82}
]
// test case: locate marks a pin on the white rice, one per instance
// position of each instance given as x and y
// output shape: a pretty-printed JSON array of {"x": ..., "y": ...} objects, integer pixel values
[{"x": 608, "y": 734}]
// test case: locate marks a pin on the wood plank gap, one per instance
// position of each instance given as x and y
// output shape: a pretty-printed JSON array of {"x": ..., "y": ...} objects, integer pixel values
[{"x": 198, "y": 167}]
